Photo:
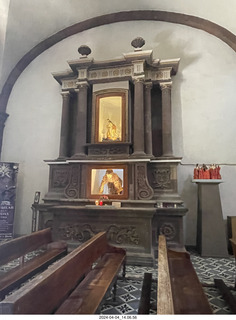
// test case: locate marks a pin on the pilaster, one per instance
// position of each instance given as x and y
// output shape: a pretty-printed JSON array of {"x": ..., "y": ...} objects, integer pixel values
[
  {"x": 138, "y": 133},
  {"x": 166, "y": 119},
  {"x": 148, "y": 119},
  {"x": 81, "y": 123},
  {"x": 63, "y": 151}
]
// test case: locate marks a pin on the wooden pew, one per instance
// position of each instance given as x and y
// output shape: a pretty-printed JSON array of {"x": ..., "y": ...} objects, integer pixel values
[
  {"x": 59, "y": 289},
  {"x": 18, "y": 248},
  {"x": 179, "y": 290},
  {"x": 144, "y": 303},
  {"x": 224, "y": 289}
]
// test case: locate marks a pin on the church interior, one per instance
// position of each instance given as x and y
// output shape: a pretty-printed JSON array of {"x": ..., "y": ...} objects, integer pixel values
[{"x": 117, "y": 157}]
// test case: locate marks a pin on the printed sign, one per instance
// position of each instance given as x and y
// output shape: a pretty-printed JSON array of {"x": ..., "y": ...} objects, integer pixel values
[{"x": 8, "y": 178}]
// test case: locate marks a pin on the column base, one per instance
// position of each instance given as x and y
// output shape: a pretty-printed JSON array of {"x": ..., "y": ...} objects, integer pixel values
[
  {"x": 79, "y": 156},
  {"x": 167, "y": 155},
  {"x": 139, "y": 154}
]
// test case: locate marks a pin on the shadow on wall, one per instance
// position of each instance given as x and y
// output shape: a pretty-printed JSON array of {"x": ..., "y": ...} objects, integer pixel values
[{"x": 166, "y": 46}]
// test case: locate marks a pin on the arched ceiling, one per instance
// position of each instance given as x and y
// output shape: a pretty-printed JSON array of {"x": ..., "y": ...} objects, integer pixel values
[{"x": 148, "y": 15}]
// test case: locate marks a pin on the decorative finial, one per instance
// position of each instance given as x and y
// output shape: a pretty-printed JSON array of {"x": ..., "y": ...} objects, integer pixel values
[
  {"x": 137, "y": 43},
  {"x": 84, "y": 51}
]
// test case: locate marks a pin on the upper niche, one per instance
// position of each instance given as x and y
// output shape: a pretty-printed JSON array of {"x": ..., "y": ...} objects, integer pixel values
[
  {"x": 110, "y": 116},
  {"x": 117, "y": 108}
]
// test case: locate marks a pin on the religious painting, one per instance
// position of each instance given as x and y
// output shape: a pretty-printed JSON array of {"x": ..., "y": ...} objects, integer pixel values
[
  {"x": 110, "y": 117},
  {"x": 108, "y": 180}
]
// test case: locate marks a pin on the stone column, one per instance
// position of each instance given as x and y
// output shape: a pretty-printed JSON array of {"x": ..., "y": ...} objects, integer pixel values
[
  {"x": 166, "y": 119},
  {"x": 138, "y": 134},
  {"x": 148, "y": 119},
  {"x": 81, "y": 121},
  {"x": 63, "y": 151}
]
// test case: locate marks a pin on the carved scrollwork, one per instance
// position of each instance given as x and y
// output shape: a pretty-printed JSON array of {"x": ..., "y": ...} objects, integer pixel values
[
  {"x": 161, "y": 178},
  {"x": 72, "y": 189},
  {"x": 123, "y": 235},
  {"x": 168, "y": 230},
  {"x": 143, "y": 187},
  {"x": 112, "y": 150},
  {"x": 116, "y": 150},
  {"x": 98, "y": 151},
  {"x": 76, "y": 232},
  {"x": 60, "y": 178}
]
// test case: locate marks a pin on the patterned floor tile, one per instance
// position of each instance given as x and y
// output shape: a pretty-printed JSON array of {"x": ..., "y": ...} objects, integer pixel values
[{"x": 206, "y": 268}]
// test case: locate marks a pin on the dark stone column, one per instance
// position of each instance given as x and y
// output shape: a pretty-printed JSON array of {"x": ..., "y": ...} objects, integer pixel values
[
  {"x": 138, "y": 145},
  {"x": 3, "y": 118},
  {"x": 166, "y": 119},
  {"x": 81, "y": 123},
  {"x": 148, "y": 119},
  {"x": 63, "y": 151}
]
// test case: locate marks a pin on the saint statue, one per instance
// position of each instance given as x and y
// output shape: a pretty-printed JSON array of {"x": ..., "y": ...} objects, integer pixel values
[
  {"x": 111, "y": 130},
  {"x": 113, "y": 181},
  {"x": 196, "y": 172}
]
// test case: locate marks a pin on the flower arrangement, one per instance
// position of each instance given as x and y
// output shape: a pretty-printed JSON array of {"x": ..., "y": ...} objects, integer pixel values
[{"x": 207, "y": 172}]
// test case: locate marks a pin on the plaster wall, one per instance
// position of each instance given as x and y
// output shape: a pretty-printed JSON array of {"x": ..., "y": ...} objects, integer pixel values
[
  {"x": 203, "y": 98},
  {"x": 4, "y": 8}
]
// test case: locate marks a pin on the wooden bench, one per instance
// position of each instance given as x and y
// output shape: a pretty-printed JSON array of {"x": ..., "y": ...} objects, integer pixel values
[
  {"x": 59, "y": 289},
  {"x": 144, "y": 303},
  {"x": 226, "y": 290},
  {"x": 179, "y": 290},
  {"x": 18, "y": 248}
]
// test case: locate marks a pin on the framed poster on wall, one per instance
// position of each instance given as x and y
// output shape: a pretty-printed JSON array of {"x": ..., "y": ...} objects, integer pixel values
[{"x": 8, "y": 179}]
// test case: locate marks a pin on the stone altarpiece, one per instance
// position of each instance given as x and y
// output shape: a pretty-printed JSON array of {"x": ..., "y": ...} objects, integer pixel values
[{"x": 116, "y": 142}]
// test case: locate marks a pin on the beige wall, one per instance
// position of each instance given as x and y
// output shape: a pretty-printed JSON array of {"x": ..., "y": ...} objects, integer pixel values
[{"x": 203, "y": 94}]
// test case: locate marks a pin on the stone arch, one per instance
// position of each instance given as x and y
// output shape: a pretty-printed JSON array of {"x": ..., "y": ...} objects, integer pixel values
[{"x": 148, "y": 15}]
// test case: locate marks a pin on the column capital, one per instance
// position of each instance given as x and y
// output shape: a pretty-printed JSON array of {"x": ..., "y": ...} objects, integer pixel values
[
  {"x": 82, "y": 84},
  {"x": 138, "y": 79},
  {"x": 65, "y": 93},
  {"x": 148, "y": 85},
  {"x": 165, "y": 85}
]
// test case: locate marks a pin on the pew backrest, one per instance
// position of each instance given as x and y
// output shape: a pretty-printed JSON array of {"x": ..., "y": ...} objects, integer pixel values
[
  {"x": 179, "y": 283},
  {"x": 164, "y": 291},
  {"x": 18, "y": 247},
  {"x": 46, "y": 292}
]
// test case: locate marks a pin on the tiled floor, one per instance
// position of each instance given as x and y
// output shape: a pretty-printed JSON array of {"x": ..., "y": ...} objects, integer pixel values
[{"x": 129, "y": 289}]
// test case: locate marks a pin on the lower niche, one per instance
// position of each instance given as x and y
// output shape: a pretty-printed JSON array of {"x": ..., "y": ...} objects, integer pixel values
[{"x": 109, "y": 181}]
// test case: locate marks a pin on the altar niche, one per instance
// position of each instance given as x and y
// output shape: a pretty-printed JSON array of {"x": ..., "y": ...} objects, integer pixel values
[
  {"x": 107, "y": 180},
  {"x": 110, "y": 116},
  {"x": 116, "y": 143}
]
